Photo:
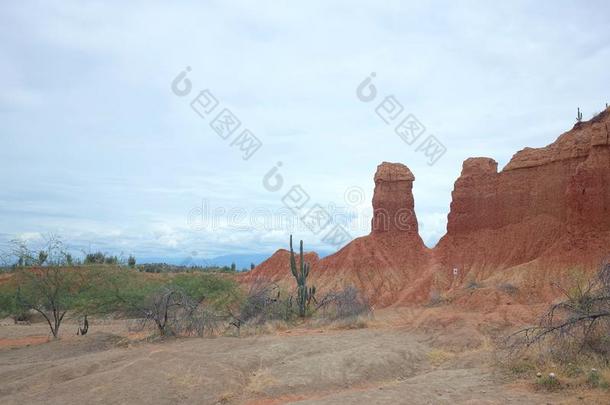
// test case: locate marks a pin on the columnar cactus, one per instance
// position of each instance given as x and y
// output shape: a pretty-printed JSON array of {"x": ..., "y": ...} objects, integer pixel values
[
  {"x": 578, "y": 116},
  {"x": 304, "y": 295}
]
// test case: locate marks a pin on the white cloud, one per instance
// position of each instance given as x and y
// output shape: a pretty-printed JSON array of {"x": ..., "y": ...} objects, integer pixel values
[{"x": 94, "y": 144}]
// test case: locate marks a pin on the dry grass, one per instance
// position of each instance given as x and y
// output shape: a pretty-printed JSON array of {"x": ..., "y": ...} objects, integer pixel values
[
  {"x": 259, "y": 381},
  {"x": 436, "y": 357},
  {"x": 583, "y": 372},
  {"x": 226, "y": 398},
  {"x": 267, "y": 328},
  {"x": 352, "y": 322}
]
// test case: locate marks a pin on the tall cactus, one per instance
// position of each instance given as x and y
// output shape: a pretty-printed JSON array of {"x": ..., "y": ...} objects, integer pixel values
[
  {"x": 579, "y": 115},
  {"x": 304, "y": 294}
]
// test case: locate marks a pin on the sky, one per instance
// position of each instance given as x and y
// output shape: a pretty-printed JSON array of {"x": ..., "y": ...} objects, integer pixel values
[{"x": 101, "y": 145}]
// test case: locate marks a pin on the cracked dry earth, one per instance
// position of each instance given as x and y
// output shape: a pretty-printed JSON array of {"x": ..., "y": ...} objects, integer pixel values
[{"x": 309, "y": 366}]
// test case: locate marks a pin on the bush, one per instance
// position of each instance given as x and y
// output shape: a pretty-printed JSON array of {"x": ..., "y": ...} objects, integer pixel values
[
  {"x": 173, "y": 312},
  {"x": 265, "y": 302},
  {"x": 594, "y": 379},
  {"x": 8, "y": 303},
  {"x": 344, "y": 304},
  {"x": 217, "y": 290},
  {"x": 576, "y": 326},
  {"x": 187, "y": 304},
  {"x": 473, "y": 285},
  {"x": 573, "y": 335},
  {"x": 436, "y": 299},
  {"x": 548, "y": 382},
  {"x": 265, "y": 306},
  {"x": 508, "y": 288}
]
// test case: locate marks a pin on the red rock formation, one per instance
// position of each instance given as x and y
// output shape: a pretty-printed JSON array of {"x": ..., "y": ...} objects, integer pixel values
[
  {"x": 588, "y": 192},
  {"x": 380, "y": 264},
  {"x": 546, "y": 212},
  {"x": 393, "y": 256},
  {"x": 393, "y": 200}
]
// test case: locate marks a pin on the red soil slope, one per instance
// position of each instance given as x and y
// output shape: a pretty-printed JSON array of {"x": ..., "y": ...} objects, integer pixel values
[
  {"x": 276, "y": 268},
  {"x": 546, "y": 212}
]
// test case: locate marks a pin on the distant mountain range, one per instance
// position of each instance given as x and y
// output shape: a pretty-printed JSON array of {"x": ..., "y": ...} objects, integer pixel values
[{"x": 242, "y": 261}]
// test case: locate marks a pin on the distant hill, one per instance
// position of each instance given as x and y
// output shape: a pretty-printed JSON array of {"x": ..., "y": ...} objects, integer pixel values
[{"x": 242, "y": 261}]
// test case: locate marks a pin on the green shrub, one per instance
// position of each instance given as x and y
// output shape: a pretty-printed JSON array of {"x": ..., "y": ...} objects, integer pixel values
[
  {"x": 215, "y": 289},
  {"x": 595, "y": 380},
  {"x": 508, "y": 288},
  {"x": 522, "y": 367},
  {"x": 548, "y": 383}
]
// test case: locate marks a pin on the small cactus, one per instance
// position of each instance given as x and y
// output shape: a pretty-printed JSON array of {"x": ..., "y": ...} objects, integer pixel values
[
  {"x": 83, "y": 331},
  {"x": 579, "y": 115}
]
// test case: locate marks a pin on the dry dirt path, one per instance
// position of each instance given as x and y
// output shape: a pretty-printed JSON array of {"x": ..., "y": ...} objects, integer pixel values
[{"x": 364, "y": 366}]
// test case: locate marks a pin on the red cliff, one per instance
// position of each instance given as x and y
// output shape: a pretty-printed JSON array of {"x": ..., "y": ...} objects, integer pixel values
[{"x": 546, "y": 212}]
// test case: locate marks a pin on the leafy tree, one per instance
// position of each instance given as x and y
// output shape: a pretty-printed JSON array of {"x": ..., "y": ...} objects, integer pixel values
[
  {"x": 233, "y": 267},
  {"x": 131, "y": 261},
  {"x": 51, "y": 291}
]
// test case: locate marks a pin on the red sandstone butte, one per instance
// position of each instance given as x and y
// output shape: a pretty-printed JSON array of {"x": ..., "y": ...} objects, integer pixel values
[
  {"x": 382, "y": 263},
  {"x": 393, "y": 256},
  {"x": 543, "y": 215}
]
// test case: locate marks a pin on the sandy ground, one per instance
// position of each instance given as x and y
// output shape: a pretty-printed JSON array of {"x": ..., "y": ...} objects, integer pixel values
[{"x": 386, "y": 363}]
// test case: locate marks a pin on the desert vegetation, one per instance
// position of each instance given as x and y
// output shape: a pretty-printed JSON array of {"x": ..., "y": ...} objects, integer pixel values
[
  {"x": 267, "y": 303},
  {"x": 570, "y": 344},
  {"x": 190, "y": 302},
  {"x": 174, "y": 305},
  {"x": 566, "y": 349}
]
